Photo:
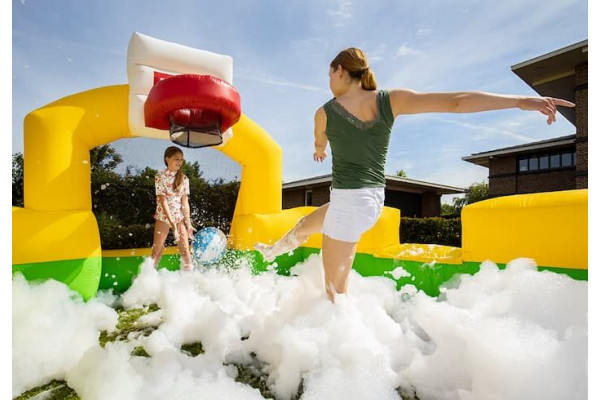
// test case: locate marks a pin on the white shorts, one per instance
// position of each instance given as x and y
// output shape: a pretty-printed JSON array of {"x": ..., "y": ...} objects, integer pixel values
[{"x": 352, "y": 212}]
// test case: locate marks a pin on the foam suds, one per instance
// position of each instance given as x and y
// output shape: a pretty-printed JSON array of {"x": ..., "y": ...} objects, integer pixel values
[{"x": 499, "y": 334}]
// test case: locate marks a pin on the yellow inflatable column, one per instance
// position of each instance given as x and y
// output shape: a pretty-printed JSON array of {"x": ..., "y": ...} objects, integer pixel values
[
  {"x": 261, "y": 160},
  {"x": 258, "y": 206},
  {"x": 56, "y": 234}
]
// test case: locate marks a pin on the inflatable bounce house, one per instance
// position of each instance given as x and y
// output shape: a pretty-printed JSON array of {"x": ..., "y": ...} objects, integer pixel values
[{"x": 186, "y": 95}]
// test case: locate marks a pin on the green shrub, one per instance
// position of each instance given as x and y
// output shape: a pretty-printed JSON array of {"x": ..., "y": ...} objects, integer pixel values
[{"x": 443, "y": 231}]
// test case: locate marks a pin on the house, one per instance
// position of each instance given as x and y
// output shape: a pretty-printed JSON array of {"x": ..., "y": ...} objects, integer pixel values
[
  {"x": 554, "y": 164},
  {"x": 414, "y": 198}
]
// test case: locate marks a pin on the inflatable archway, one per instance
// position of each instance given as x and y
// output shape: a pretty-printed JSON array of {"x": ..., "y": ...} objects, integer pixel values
[{"x": 56, "y": 235}]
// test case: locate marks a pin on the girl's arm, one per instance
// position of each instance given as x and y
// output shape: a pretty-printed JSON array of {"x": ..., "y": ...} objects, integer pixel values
[
  {"x": 320, "y": 137},
  {"x": 405, "y": 101},
  {"x": 185, "y": 205},
  {"x": 165, "y": 206}
]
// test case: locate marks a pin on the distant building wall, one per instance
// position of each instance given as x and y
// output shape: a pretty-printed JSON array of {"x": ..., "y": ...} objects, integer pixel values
[
  {"x": 409, "y": 204},
  {"x": 502, "y": 179},
  {"x": 546, "y": 182},
  {"x": 293, "y": 198},
  {"x": 581, "y": 122},
  {"x": 431, "y": 204},
  {"x": 297, "y": 197}
]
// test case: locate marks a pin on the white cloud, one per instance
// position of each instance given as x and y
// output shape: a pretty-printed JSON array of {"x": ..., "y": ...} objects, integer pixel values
[
  {"x": 405, "y": 50},
  {"x": 485, "y": 131},
  {"x": 280, "y": 82},
  {"x": 341, "y": 14}
]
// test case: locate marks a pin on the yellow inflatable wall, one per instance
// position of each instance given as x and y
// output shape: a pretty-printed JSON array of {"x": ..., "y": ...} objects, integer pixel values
[{"x": 551, "y": 228}]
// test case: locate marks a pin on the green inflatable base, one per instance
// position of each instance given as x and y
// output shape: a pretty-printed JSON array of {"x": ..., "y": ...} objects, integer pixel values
[
  {"x": 87, "y": 276},
  {"x": 118, "y": 273},
  {"x": 82, "y": 275}
]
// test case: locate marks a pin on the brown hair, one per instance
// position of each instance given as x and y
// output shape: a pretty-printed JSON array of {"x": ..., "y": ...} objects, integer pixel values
[
  {"x": 354, "y": 60},
  {"x": 170, "y": 152}
]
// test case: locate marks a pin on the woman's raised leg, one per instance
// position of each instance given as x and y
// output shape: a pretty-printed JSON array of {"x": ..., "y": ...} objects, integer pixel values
[{"x": 306, "y": 226}]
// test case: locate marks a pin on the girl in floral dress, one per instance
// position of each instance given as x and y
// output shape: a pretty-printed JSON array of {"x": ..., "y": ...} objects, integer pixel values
[{"x": 172, "y": 208}]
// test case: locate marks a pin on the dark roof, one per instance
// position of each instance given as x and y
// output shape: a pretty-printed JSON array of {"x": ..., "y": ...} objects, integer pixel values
[
  {"x": 553, "y": 74},
  {"x": 483, "y": 158},
  {"x": 395, "y": 183}
]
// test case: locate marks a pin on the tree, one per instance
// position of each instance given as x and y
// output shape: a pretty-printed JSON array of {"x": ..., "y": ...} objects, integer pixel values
[
  {"x": 104, "y": 158},
  {"x": 17, "y": 180},
  {"x": 476, "y": 192},
  {"x": 401, "y": 174}
]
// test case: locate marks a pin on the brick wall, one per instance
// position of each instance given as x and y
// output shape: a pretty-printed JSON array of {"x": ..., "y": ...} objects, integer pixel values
[
  {"x": 295, "y": 197},
  {"x": 581, "y": 122},
  {"x": 320, "y": 196},
  {"x": 502, "y": 179},
  {"x": 502, "y": 186},
  {"x": 503, "y": 165},
  {"x": 546, "y": 181}
]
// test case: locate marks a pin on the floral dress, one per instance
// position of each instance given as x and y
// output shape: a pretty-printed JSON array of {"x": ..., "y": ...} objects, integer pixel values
[{"x": 163, "y": 182}]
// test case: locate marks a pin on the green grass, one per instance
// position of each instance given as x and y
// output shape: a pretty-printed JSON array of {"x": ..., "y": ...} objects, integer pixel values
[{"x": 55, "y": 390}]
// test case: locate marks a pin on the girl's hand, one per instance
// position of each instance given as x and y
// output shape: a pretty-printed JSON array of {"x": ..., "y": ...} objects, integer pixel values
[
  {"x": 190, "y": 231},
  {"x": 175, "y": 233},
  {"x": 545, "y": 105},
  {"x": 319, "y": 155}
]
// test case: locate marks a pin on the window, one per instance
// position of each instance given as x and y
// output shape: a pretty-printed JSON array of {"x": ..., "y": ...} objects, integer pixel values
[
  {"x": 554, "y": 160},
  {"x": 523, "y": 165},
  {"x": 545, "y": 161},
  {"x": 308, "y": 198},
  {"x": 533, "y": 163}
]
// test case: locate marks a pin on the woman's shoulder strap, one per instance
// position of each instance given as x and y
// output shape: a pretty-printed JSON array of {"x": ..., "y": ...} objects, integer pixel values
[{"x": 385, "y": 106}]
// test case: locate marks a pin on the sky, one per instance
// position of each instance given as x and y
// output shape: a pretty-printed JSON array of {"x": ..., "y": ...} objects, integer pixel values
[{"x": 281, "y": 53}]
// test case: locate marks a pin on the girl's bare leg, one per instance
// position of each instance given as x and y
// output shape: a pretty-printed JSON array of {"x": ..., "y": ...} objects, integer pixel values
[
  {"x": 184, "y": 247},
  {"x": 161, "y": 230},
  {"x": 338, "y": 257},
  {"x": 306, "y": 226}
]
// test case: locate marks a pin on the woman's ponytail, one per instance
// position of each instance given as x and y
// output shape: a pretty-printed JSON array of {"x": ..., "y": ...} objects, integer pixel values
[
  {"x": 354, "y": 60},
  {"x": 367, "y": 80}
]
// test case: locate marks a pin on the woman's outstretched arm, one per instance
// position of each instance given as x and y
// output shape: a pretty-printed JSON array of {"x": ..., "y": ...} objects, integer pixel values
[{"x": 405, "y": 101}]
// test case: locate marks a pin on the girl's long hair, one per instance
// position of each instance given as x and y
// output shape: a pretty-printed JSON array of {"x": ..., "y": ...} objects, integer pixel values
[
  {"x": 354, "y": 60},
  {"x": 170, "y": 152}
]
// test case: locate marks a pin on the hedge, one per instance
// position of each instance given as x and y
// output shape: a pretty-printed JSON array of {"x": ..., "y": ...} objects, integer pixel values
[{"x": 435, "y": 230}]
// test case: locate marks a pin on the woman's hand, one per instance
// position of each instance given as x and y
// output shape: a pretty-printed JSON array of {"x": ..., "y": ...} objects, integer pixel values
[
  {"x": 319, "y": 155},
  {"x": 545, "y": 105}
]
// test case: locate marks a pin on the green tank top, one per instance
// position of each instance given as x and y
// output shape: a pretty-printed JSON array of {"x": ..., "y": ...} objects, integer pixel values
[{"x": 358, "y": 148}]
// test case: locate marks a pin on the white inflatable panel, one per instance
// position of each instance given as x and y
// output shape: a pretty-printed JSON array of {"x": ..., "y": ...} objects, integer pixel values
[{"x": 147, "y": 55}]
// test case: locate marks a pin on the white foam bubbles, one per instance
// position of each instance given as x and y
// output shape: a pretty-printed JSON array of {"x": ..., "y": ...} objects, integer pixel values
[
  {"x": 500, "y": 334},
  {"x": 51, "y": 329}
]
